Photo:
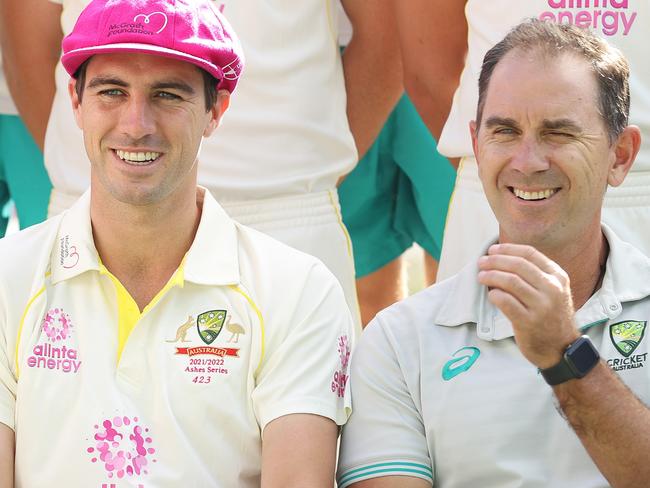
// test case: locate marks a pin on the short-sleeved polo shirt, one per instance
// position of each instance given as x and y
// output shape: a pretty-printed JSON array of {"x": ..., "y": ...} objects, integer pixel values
[
  {"x": 441, "y": 391},
  {"x": 101, "y": 394}
]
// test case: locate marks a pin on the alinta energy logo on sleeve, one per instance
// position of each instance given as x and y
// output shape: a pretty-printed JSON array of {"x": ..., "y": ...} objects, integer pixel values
[
  {"x": 609, "y": 17},
  {"x": 52, "y": 351},
  {"x": 341, "y": 376},
  {"x": 626, "y": 337}
]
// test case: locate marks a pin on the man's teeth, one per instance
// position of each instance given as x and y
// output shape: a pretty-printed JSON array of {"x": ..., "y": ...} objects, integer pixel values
[
  {"x": 137, "y": 157},
  {"x": 533, "y": 195}
]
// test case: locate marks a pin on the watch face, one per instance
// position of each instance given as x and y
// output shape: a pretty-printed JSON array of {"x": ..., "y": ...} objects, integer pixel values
[{"x": 583, "y": 356}]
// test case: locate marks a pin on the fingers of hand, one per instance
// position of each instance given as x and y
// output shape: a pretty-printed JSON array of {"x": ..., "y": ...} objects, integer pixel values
[
  {"x": 529, "y": 254},
  {"x": 508, "y": 304},
  {"x": 511, "y": 283},
  {"x": 523, "y": 272},
  {"x": 516, "y": 265}
]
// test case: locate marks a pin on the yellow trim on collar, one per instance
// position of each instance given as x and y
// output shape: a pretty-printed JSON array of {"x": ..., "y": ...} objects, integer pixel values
[{"x": 128, "y": 313}]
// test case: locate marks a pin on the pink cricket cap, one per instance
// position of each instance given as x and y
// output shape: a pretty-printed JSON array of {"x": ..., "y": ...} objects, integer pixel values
[{"x": 187, "y": 30}]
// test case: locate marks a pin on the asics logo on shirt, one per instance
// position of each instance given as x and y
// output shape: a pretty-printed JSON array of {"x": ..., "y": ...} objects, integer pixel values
[{"x": 466, "y": 357}]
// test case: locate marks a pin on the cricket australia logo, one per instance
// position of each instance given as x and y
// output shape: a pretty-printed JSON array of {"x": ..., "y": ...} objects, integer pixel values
[
  {"x": 210, "y": 324},
  {"x": 202, "y": 369},
  {"x": 626, "y": 337}
]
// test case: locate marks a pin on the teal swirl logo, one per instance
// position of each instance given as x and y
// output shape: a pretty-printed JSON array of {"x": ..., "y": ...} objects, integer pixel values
[{"x": 467, "y": 356}]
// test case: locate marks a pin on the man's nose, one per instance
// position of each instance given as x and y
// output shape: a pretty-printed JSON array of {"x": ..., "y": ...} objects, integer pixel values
[
  {"x": 138, "y": 118},
  {"x": 529, "y": 156}
]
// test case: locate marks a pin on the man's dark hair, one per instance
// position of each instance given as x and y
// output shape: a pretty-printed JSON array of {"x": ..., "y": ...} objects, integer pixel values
[
  {"x": 209, "y": 85},
  {"x": 553, "y": 40}
]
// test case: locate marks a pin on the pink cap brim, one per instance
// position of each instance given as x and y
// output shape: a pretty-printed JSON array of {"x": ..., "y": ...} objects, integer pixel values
[{"x": 73, "y": 59}]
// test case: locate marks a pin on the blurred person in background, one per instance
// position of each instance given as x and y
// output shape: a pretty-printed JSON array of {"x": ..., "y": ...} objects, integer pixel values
[
  {"x": 23, "y": 179},
  {"x": 396, "y": 196}
]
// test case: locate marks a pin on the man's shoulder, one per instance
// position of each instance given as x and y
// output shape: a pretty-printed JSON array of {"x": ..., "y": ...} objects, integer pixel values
[
  {"x": 285, "y": 282},
  {"x": 23, "y": 250},
  {"x": 431, "y": 317},
  {"x": 626, "y": 269},
  {"x": 440, "y": 305},
  {"x": 25, "y": 261},
  {"x": 268, "y": 258}
]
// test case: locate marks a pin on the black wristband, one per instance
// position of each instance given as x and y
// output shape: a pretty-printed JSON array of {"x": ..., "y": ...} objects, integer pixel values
[{"x": 579, "y": 358}]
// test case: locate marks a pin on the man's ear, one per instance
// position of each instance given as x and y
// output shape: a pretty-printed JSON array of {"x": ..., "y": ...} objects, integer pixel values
[
  {"x": 624, "y": 150},
  {"x": 76, "y": 103},
  {"x": 473, "y": 130},
  {"x": 216, "y": 112}
]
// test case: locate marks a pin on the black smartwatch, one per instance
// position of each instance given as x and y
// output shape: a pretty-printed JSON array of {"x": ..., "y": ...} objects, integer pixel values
[{"x": 579, "y": 358}]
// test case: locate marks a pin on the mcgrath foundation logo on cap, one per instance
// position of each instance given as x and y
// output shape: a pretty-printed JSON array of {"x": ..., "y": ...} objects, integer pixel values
[
  {"x": 149, "y": 24},
  {"x": 147, "y": 19}
]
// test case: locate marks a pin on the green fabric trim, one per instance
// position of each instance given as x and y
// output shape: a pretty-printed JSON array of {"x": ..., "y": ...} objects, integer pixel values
[
  {"x": 400, "y": 468},
  {"x": 593, "y": 324}
]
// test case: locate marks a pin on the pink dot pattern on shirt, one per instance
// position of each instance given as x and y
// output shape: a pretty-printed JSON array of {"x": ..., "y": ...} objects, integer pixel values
[
  {"x": 56, "y": 325},
  {"x": 123, "y": 446}
]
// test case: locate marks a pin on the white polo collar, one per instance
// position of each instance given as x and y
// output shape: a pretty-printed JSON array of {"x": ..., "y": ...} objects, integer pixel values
[
  {"x": 213, "y": 257},
  {"x": 626, "y": 279}
]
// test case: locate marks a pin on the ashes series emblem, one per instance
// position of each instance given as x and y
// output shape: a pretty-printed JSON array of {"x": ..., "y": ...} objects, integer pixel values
[
  {"x": 626, "y": 336},
  {"x": 210, "y": 324}
]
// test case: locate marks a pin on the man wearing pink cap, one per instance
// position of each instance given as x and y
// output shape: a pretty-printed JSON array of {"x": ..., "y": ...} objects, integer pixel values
[
  {"x": 145, "y": 340},
  {"x": 301, "y": 115}
]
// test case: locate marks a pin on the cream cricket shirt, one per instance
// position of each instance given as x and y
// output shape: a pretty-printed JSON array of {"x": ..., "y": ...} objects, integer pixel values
[
  {"x": 441, "y": 391},
  {"x": 99, "y": 395}
]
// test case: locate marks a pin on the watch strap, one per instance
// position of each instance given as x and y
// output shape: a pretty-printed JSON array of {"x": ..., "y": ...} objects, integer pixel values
[
  {"x": 559, "y": 373},
  {"x": 579, "y": 358}
]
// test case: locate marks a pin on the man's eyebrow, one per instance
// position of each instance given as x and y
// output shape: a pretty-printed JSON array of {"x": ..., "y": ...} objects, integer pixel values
[
  {"x": 500, "y": 121},
  {"x": 564, "y": 124},
  {"x": 161, "y": 85},
  {"x": 106, "y": 80},
  {"x": 174, "y": 85}
]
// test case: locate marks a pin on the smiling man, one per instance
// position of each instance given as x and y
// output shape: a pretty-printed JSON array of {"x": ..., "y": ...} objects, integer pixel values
[
  {"x": 529, "y": 367},
  {"x": 115, "y": 368}
]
